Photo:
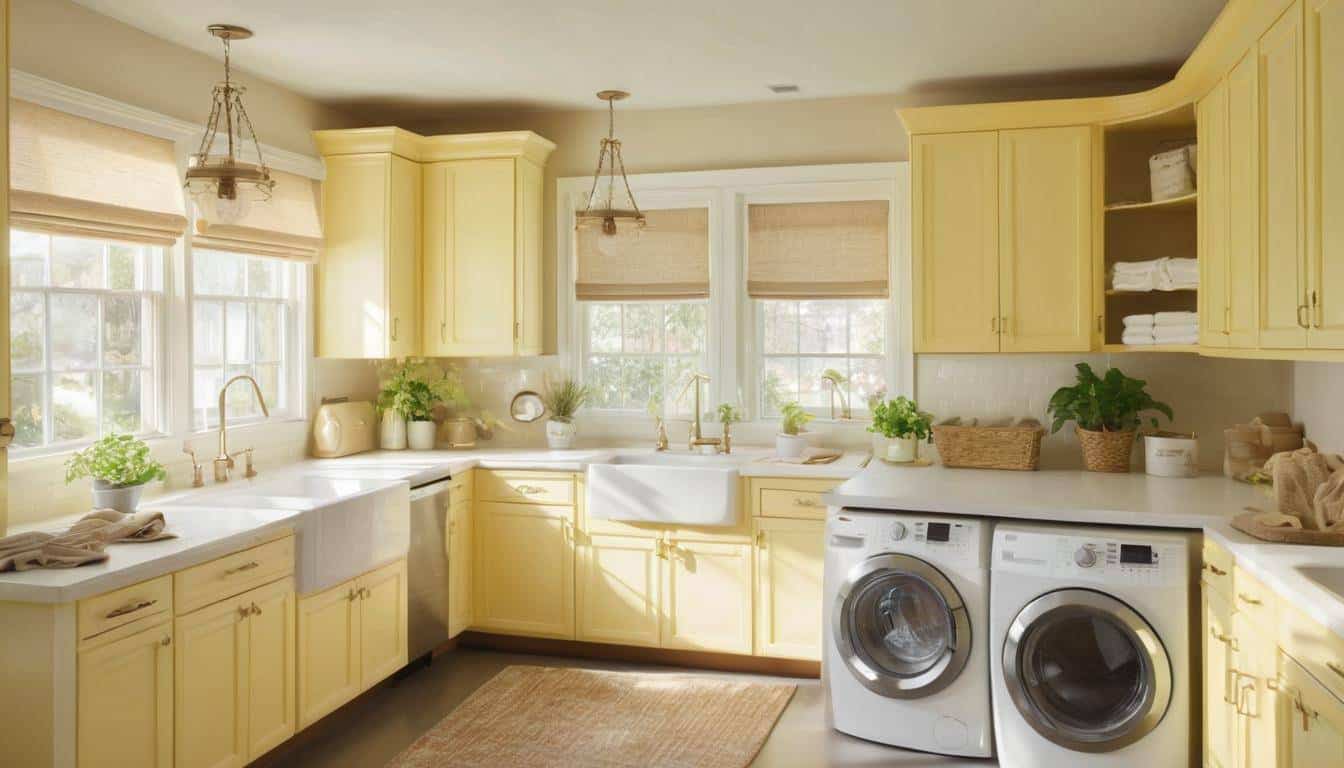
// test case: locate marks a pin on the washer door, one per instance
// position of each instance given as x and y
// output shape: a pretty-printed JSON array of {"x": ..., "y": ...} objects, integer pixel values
[
  {"x": 901, "y": 627},
  {"x": 1086, "y": 671}
]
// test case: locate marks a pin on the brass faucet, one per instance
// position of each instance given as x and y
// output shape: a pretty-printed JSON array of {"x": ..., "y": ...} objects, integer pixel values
[
  {"x": 224, "y": 461},
  {"x": 696, "y": 438}
]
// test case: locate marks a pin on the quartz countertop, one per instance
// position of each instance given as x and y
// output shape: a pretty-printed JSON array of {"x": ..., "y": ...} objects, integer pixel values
[{"x": 1279, "y": 567}]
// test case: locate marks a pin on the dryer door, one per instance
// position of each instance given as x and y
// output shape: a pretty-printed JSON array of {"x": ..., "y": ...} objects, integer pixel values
[
  {"x": 1086, "y": 671},
  {"x": 901, "y": 626}
]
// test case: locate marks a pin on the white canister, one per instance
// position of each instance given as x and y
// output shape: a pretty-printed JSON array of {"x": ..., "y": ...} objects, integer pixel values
[
  {"x": 560, "y": 434},
  {"x": 790, "y": 446},
  {"x": 420, "y": 435},
  {"x": 392, "y": 431},
  {"x": 1168, "y": 454}
]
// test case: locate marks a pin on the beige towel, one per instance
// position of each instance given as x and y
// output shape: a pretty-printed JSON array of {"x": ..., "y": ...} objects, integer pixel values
[
  {"x": 111, "y": 526},
  {"x": 1301, "y": 479},
  {"x": 83, "y": 543},
  {"x": 1329, "y": 503}
]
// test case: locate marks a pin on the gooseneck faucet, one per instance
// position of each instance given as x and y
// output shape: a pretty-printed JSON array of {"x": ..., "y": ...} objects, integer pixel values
[
  {"x": 697, "y": 439},
  {"x": 224, "y": 461}
]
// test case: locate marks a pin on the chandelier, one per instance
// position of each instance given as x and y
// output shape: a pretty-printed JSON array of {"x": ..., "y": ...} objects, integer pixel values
[
  {"x": 613, "y": 207},
  {"x": 225, "y": 186}
]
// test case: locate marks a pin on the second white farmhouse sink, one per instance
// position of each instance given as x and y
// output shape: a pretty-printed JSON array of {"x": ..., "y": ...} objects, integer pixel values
[
  {"x": 348, "y": 525},
  {"x": 665, "y": 488}
]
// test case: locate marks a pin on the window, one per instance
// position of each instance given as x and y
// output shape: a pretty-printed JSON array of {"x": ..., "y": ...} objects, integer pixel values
[
  {"x": 245, "y": 312},
  {"x": 801, "y": 340},
  {"x": 84, "y": 338},
  {"x": 641, "y": 352}
]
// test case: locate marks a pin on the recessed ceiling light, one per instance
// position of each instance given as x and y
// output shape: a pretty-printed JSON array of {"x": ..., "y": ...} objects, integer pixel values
[{"x": 783, "y": 88}]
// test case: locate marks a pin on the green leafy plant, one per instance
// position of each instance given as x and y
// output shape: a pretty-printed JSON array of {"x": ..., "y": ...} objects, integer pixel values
[
  {"x": 1110, "y": 403},
  {"x": 118, "y": 460},
  {"x": 901, "y": 418},
  {"x": 414, "y": 388},
  {"x": 564, "y": 398},
  {"x": 727, "y": 413},
  {"x": 793, "y": 418}
]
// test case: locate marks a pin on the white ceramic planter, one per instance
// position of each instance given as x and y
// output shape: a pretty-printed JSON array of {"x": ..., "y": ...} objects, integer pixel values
[
  {"x": 420, "y": 435},
  {"x": 1171, "y": 456},
  {"x": 392, "y": 432},
  {"x": 124, "y": 499},
  {"x": 902, "y": 449},
  {"x": 790, "y": 446},
  {"x": 560, "y": 434}
]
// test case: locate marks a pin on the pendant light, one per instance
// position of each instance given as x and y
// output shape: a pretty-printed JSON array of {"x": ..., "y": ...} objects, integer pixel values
[
  {"x": 610, "y": 204},
  {"x": 225, "y": 185}
]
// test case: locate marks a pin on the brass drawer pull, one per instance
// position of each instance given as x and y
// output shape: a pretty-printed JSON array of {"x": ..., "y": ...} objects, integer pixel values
[
  {"x": 1338, "y": 669},
  {"x": 1215, "y": 570},
  {"x": 242, "y": 568},
  {"x": 1227, "y": 640},
  {"x": 256, "y": 610},
  {"x": 529, "y": 490},
  {"x": 352, "y": 595},
  {"x": 130, "y": 608},
  {"x": 1247, "y": 599},
  {"x": 166, "y": 641},
  {"x": 799, "y": 501}
]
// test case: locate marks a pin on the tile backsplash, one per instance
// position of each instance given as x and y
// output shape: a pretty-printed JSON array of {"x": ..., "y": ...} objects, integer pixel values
[{"x": 1318, "y": 402}]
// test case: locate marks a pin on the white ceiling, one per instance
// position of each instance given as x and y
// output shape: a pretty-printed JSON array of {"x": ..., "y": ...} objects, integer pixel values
[{"x": 550, "y": 53}]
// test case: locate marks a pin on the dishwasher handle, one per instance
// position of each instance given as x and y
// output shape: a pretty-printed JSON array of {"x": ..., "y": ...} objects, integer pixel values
[{"x": 433, "y": 489}]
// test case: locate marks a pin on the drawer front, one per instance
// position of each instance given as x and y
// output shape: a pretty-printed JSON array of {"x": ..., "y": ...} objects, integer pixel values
[
  {"x": 525, "y": 487},
  {"x": 1216, "y": 570},
  {"x": 1256, "y": 601},
  {"x": 1317, "y": 649},
  {"x": 109, "y": 611},
  {"x": 232, "y": 574},
  {"x": 795, "y": 499}
]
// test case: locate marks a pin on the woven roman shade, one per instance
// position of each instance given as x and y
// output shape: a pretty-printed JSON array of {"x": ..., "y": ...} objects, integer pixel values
[
  {"x": 668, "y": 260},
  {"x": 831, "y": 250},
  {"x": 73, "y": 176},
  {"x": 286, "y": 227}
]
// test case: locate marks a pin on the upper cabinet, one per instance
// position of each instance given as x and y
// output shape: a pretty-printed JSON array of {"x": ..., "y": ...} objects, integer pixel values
[
  {"x": 1325, "y": 171},
  {"x": 433, "y": 244}
]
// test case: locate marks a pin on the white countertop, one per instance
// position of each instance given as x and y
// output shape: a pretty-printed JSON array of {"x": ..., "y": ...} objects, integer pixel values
[{"x": 1278, "y": 566}]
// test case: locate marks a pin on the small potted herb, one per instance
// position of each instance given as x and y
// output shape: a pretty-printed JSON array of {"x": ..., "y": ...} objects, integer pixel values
[
  {"x": 792, "y": 440},
  {"x": 1107, "y": 413},
  {"x": 904, "y": 425},
  {"x": 407, "y": 400},
  {"x": 120, "y": 467},
  {"x": 563, "y": 399},
  {"x": 727, "y": 414}
]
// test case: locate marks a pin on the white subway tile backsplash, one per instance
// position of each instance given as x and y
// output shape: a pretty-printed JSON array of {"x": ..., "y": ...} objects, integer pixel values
[{"x": 1318, "y": 402}]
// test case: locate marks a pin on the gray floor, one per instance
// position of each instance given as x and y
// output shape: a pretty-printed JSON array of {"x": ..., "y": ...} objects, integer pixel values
[{"x": 375, "y": 728}]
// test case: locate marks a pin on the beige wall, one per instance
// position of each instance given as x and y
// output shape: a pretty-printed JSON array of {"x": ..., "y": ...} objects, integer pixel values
[{"x": 1316, "y": 403}]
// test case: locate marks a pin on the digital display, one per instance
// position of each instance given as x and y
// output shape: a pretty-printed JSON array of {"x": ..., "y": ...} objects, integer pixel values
[
  {"x": 940, "y": 532},
  {"x": 1136, "y": 554}
]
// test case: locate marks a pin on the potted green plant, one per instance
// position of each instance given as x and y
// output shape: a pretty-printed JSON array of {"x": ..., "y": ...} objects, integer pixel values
[
  {"x": 904, "y": 425},
  {"x": 727, "y": 414},
  {"x": 1107, "y": 411},
  {"x": 406, "y": 400},
  {"x": 563, "y": 399},
  {"x": 120, "y": 467},
  {"x": 791, "y": 440}
]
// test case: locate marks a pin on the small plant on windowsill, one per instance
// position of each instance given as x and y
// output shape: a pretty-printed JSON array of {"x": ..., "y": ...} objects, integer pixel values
[
  {"x": 792, "y": 439},
  {"x": 563, "y": 399},
  {"x": 904, "y": 425},
  {"x": 120, "y": 467},
  {"x": 727, "y": 414}
]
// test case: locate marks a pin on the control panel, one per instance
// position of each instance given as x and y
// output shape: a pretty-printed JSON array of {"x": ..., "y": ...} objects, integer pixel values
[
  {"x": 1113, "y": 559},
  {"x": 944, "y": 540}
]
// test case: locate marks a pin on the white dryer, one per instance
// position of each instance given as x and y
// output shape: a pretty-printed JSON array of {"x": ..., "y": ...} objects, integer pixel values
[
  {"x": 906, "y": 611},
  {"x": 1091, "y": 664}
]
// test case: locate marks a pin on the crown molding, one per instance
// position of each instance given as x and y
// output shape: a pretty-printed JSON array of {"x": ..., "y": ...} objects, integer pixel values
[{"x": 54, "y": 95}]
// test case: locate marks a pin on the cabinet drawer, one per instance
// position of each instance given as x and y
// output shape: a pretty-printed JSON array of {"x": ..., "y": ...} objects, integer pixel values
[
  {"x": 1255, "y": 601},
  {"x": 525, "y": 487},
  {"x": 793, "y": 498},
  {"x": 111, "y": 610},
  {"x": 232, "y": 574},
  {"x": 1216, "y": 570},
  {"x": 1317, "y": 649}
]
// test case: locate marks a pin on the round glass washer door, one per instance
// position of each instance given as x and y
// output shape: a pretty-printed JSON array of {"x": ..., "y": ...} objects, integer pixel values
[
  {"x": 901, "y": 626},
  {"x": 1086, "y": 671}
]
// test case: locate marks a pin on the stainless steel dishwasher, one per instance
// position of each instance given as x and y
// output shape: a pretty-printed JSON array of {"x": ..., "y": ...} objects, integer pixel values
[{"x": 427, "y": 570}]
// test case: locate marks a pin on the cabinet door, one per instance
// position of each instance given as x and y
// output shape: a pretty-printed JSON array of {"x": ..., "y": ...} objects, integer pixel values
[
  {"x": 271, "y": 677},
  {"x": 328, "y": 651},
  {"x": 459, "y": 567},
  {"x": 524, "y": 576},
  {"x": 955, "y": 230},
  {"x": 1241, "y": 187},
  {"x": 1220, "y": 715},
  {"x": 707, "y": 597},
  {"x": 1325, "y": 171},
  {"x": 1045, "y": 239},
  {"x": 527, "y": 237},
  {"x": 382, "y": 622},
  {"x": 789, "y": 556},
  {"x": 353, "y": 286},
  {"x": 125, "y": 701},
  {"x": 618, "y": 590},
  {"x": 1213, "y": 218},
  {"x": 403, "y": 259},
  {"x": 211, "y": 673},
  {"x": 1313, "y": 727},
  {"x": 1283, "y": 293},
  {"x": 1256, "y": 661}
]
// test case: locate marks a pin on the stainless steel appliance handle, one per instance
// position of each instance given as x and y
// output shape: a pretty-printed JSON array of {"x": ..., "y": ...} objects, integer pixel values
[{"x": 433, "y": 489}]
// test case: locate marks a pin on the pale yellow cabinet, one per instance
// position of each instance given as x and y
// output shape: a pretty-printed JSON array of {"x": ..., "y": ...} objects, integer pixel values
[
  {"x": 350, "y": 637},
  {"x": 1220, "y": 714},
  {"x": 523, "y": 567},
  {"x": 1312, "y": 732},
  {"x": 459, "y": 566},
  {"x": 1003, "y": 232},
  {"x": 789, "y": 555},
  {"x": 1325, "y": 171},
  {"x": 125, "y": 698},
  {"x": 707, "y": 596},
  {"x": 235, "y": 678},
  {"x": 1212, "y": 172},
  {"x": 619, "y": 590},
  {"x": 368, "y": 300}
]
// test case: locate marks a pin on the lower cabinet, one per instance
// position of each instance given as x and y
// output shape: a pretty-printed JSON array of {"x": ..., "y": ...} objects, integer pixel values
[
  {"x": 524, "y": 569},
  {"x": 351, "y": 637},
  {"x": 1220, "y": 714},
  {"x": 459, "y": 547},
  {"x": 619, "y": 590},
  {"x": 235, "y": 678},
  {"x": 1313, "y": 720},
  {"x": 789, "y": 558},
  {"x": 125, "y": 699},
  {"x": 707, "y": 596}
]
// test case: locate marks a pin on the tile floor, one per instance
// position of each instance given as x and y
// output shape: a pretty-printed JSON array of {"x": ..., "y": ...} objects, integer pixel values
[{"x": 372, "y": 730}]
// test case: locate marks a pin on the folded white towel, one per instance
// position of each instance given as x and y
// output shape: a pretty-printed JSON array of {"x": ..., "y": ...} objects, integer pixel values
[
  {"x": 1176, "y": 318},
  {"x": 1190, "y": 338},
  {"x": 1137, "y": 338},
  {"x": 1164, "y": 334},
  {"x": 1137, "y": 267},
  {"x": 1178, "y": 274},
  {"x": 1125, "y": 282},
  {"x": 1138, "y": 321}
]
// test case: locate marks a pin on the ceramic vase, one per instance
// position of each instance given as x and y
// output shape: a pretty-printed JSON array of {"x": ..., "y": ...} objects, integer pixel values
[
  {"x": 392, "y": 432},
  {"x": 122, "y": 498},
  {"x": 560, "y": 434},
  {"x": 902, "y": 449},
  {"x": 790, "y": 446},
  {"x": 420, "y": 435}
]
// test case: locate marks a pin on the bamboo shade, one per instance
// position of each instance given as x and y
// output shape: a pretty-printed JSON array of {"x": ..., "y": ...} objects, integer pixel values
[
  {"x": 830, "y": 250},
  {"x": 668, "y": 260},
  {"x": 285, "y": 227}
]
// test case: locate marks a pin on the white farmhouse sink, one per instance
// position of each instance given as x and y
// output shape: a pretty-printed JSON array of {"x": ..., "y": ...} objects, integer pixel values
[
  {"x": 348, "y": 525},
  {"x": 665, "y": 488}
]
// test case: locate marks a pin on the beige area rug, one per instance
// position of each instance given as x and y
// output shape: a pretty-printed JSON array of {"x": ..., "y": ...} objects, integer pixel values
[{"x": 542, "y": 717}]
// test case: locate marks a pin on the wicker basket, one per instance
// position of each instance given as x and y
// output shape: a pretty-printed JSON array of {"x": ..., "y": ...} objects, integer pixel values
[
  {"x": 1106, "y": 451},
  {"x": 1008, "y": 447}
]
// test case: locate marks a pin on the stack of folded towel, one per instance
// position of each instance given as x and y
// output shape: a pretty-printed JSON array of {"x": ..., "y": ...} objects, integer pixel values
[
  {"x": 1178, "y": 275},
  {"x": 1161, "y": 328},
  {"x": 1155, "y": 275}
]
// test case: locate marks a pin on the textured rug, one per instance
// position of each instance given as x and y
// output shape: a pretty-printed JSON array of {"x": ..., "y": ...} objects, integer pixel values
[{"x": 543, "y": 717}]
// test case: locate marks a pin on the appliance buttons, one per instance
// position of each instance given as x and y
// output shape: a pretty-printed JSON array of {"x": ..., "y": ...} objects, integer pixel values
[
  {"x": 897, "y": 531},
  {"x": 1085, "y": 556}
]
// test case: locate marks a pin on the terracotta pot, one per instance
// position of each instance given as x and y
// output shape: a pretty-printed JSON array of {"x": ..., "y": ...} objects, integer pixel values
[{"x": 1106, "y": 451}]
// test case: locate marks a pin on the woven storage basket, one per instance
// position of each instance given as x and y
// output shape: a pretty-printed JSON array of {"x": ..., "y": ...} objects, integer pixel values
[
  {"x": 1011, "y": 447},
  {"x": 1106, "y": 451}
]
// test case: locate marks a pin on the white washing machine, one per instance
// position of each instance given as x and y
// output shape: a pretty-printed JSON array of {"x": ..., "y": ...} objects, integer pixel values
[
  {"x": 1090, "y": 630},
  {"x": 906, "y": 612}
]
